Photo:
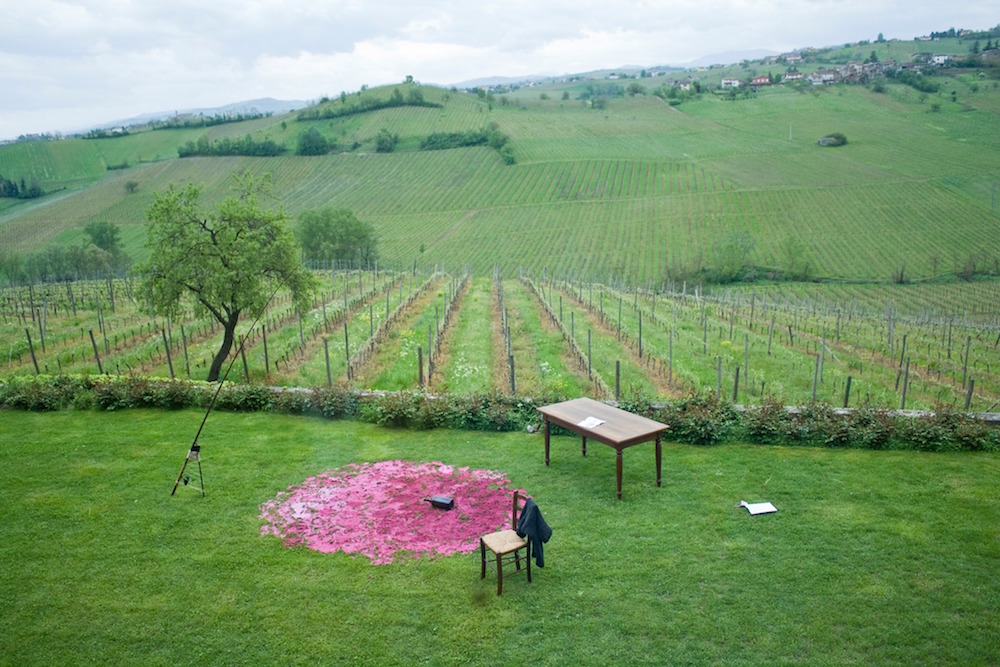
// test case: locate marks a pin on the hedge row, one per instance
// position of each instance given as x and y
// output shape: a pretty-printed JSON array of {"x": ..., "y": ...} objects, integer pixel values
[{"x": 697, "y": 420}]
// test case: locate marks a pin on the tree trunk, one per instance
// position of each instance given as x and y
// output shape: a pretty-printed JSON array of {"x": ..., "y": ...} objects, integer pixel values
[{"x": 228, "y": 336}]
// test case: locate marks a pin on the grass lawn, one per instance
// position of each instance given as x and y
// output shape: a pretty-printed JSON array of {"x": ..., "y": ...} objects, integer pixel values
[{"x": 873, "y": 558}]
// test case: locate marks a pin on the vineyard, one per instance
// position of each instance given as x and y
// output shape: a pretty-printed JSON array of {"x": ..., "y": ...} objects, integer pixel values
[
  {"x": 538, "y": 336},
  {"x": 639, "y": 192},
  {"x": 586, "y": 265}
]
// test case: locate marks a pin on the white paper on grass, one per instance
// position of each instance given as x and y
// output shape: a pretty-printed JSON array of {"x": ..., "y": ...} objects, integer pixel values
[
  {"x": 758, "y": 508},
  {"x": 591, "y": 422}
]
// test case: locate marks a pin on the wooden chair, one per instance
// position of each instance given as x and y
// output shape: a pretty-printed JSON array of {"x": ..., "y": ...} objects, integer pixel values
[{"x": 506, "y": 546}]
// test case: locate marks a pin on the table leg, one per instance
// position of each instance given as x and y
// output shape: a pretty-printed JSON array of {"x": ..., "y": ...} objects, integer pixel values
[
  {"x": 584, "y": 445},
  {"x": 659, "y": 458},
  {"x": 618, "y": 472},
  {"x": 546, "y": 441}
]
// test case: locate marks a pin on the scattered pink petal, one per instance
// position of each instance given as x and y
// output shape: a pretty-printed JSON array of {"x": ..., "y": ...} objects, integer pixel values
[{"x": 378, "y": 510}]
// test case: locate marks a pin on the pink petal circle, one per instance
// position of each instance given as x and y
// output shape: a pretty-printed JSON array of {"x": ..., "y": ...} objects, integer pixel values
[{"x": 378, "y": 510}]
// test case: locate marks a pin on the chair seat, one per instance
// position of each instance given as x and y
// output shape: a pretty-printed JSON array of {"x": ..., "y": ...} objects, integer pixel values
[{"x": 504, "y": 541}]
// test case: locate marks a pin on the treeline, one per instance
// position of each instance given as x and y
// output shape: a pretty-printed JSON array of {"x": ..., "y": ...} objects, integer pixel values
[
  {"x": 102, "y": 133},
  {"x": 491, "y": 137},
  {"x": 12, "y": 190},
  {"x": 226, "y": 146},
  {"x": 414, "y": 98},
  {"x": 101, "y": 254},
  {"x": 205, "y": 121}
]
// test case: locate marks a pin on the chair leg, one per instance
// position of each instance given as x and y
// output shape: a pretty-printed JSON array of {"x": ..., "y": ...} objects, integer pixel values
[
  {"x": 529, "y": 561},
  {"x": 482, "y": 557},
  {"x": 517, "y": 560},
  {"x": 499, "y": 574}
]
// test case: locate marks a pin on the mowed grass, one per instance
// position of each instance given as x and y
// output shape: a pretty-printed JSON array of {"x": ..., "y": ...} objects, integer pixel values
[{"x": 872, "y": 558}]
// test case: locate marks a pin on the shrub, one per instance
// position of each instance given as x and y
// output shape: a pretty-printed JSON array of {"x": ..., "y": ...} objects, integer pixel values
[
  {"x": 699, "y": 420},
  {"x": 245, "y": 398},
  {"x": 768, "y": 424},
  {"x": 832, "y": 139},
  {"x": 293, "y": 402},
  {"x": 337, "y": 402}
]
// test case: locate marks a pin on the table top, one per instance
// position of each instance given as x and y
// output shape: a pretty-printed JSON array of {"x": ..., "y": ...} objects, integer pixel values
[{"x": 619, "y": 428}]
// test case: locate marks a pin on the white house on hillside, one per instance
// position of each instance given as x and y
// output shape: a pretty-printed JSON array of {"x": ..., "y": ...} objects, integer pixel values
[{"x": 730, "y": 82}]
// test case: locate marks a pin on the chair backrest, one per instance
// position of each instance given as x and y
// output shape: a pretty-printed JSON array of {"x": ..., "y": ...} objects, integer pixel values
[{"x": 520, "y": 500}]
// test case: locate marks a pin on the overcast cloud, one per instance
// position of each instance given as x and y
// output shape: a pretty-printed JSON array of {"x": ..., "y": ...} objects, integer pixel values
[{"x": 70, "y": 65}]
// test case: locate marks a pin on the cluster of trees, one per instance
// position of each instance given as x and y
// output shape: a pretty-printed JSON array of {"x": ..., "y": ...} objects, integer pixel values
[
  {"x": 444, "y": 140},
  {"x": 11, "y": 190},
  {"x": 673, "y": 95},
  {"x": 336, "y": 235},
  {"x": 226, "y": 146},
  {"x": 205, "y": 121},
  {"x": 413, "y": 98},
  {"x": 102, "y": 133},
  {"x": 386, "y": 141},
  {"x": 102, "y": 254},
  {"x": 915, "y": 80},
  {"x": 312, "y": 142},
  {"x": 490, "y": 136}
]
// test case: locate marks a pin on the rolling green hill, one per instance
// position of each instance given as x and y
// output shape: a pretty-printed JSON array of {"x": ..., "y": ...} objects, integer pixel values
[{"x": 639, "y": 190}]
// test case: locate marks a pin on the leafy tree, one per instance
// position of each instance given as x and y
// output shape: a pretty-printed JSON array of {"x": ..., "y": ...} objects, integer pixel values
[
  {"x": 415, "y": 96},
  {"x": 312, "y": 142},
  {"x": 733, "y": 256},
  {"x": 337, "y": 234},
  {"x": 104, "y": 235},
  {"x": 635, "y": 88},
  {"x": 230, "y": 260},
  {"x": 796, "y": 259},
  {"x": 131, "y": 186},
  {"x": 11, "y": 265},
  {"x": 385, "y": 142}
]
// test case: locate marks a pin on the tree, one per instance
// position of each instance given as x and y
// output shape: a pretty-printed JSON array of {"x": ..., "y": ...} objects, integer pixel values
[
  {"x": 311, "y": 142},
  {"x": 385, "y": 142},
  {"x": 337, "y": 234},
  {"x": 732, "y": 256},
  {"x": 795, "y": 257},
  {"x": 230, "y": 261},
  {"x": 104, "y": 235},
  {"x": 635, "y": 88}
]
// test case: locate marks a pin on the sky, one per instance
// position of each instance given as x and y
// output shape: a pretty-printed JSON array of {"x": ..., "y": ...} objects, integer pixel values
[{"x": 72, "y": 65}]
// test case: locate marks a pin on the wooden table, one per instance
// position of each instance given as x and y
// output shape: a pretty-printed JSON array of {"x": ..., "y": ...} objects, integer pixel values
[{"x": 618, "y": 428}]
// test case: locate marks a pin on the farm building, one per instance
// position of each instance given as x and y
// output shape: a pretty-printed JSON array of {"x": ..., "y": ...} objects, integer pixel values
[{"x": 730, "y": 82}]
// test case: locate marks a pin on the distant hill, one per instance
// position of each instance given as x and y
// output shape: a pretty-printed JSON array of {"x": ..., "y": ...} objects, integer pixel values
[
  {"x": 729, "y": 57},
  {"x": 265, "y": 105}
]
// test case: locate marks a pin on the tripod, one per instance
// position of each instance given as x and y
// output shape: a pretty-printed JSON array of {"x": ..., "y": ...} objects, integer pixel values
[{"x": 193, "y": 455}]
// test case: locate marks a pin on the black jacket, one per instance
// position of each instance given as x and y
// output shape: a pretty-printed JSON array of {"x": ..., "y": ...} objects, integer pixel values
[{"x": 532, "y": 526}]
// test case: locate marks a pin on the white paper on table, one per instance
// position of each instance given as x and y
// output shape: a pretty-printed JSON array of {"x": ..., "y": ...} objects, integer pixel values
[
  {"x": 591, "y": 422},
  {"x": 758, "y": 508}
]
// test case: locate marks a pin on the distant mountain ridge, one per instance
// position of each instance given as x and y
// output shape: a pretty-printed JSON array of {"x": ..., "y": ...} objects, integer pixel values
[{"x": 263, "y": 105}]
